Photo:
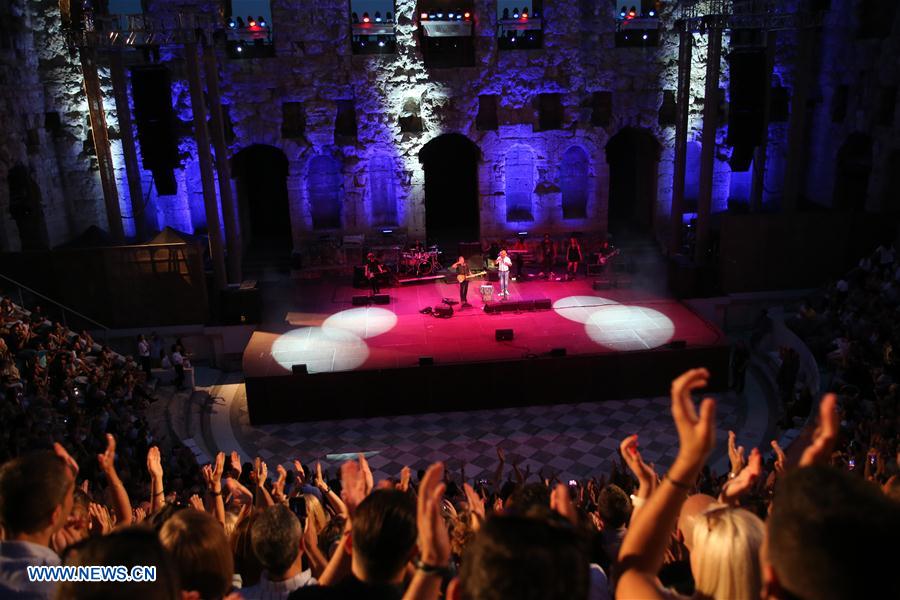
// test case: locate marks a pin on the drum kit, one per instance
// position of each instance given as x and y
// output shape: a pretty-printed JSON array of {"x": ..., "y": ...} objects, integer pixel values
[{"x": 419, "y": 263}]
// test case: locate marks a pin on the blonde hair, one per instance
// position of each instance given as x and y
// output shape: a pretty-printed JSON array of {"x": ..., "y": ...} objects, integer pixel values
[
  {"x": 725, "y": 554},
  {"x": 316, "y": 513}
]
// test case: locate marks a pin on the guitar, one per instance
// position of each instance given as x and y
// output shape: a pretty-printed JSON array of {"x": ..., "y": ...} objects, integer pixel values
[
  {"x": 460, "y": 278},
  {"x": 381, "y": 271},
  {"x": 605, "y": 259}
]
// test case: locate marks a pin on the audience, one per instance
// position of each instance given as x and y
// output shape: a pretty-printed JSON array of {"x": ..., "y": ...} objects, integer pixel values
[{"x": 813, "y": 526}]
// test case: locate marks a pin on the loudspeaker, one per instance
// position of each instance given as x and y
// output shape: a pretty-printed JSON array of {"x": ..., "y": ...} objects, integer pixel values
[
  {"x": 381, "y": 299},
  {"x": 558, "y": 352},
  {"x": 299, "y": 370},
  {"x": 542, "y": 304},
  {"x": 151, "y": 91},
  {"x": 747, "y": 85},
  {"x": 504, "y": 335},
  {"x": 426, "y": 361},
  {"x": 677, "y": 345},
  {"x": 360, "y": 300}
]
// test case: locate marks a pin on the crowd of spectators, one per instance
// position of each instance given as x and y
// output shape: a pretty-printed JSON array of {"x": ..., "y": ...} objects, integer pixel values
[
  {"x": 852, "y": 328},
  {"x": 84, "y": 484}
]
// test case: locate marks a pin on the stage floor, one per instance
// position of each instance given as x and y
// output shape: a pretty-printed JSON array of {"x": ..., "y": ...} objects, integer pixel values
[{"x": 326, "y": 333}]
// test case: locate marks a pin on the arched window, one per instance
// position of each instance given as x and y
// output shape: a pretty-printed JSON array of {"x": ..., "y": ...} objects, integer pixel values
[
  {"x": 323, "y": 188},
  {"x": 519, "y": 183},
  {"x": 381, "y": 191},
  {"x": 573, "y": 181}
]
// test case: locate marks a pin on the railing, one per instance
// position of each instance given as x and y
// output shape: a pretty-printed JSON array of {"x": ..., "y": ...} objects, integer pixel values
[{"x": 65, "y": 312}]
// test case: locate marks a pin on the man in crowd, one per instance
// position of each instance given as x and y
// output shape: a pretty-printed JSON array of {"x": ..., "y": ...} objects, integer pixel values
[
  {"x": 36, "y": 496},
  {"x": 277, "y": 539}
]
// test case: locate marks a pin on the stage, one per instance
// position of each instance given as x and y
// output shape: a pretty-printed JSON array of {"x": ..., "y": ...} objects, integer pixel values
[{"x": 353, "y": 361}]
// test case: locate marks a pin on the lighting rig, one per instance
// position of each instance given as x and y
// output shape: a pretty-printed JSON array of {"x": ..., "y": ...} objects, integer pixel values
[
  {"x": 519, "y": 29},
  {"x": 373, "y": 34}
]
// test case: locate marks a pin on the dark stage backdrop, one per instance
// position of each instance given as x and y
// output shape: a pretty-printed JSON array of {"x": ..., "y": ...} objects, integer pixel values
[{"x": 124, "y": 286}]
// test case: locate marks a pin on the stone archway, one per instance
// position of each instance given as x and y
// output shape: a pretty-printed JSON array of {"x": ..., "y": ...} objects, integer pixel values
[
  {"x": 452, "y": 208},
  {"x": 633, "y": 157},
  {"x": 261, "y": 174}
]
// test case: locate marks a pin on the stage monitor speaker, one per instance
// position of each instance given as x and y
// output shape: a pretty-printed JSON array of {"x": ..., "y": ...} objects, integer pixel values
[
  {"x": 381, "y": 299},
  {"x": 524, "y": 305},
  {"x": 504, "y": 335},
  {"x": 426, "y": 361},
  {"x": 558, "y": 352},
  {"x": 677, "y": 345},
  {"x": 299, "y": 370},
  {"x": 542, "y": 304},
  {"x": 442, "y": 311},
  {"x": 360, "y": 300}
]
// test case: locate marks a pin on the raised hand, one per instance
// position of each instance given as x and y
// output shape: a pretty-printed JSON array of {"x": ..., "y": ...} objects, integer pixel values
[
  {"x": 631, "y": 456},
  {"x": 780, "y": 460},
  {"x": 298, "y": 468},
  {"x": 138, "y": 515},
  {"x": 745, "y": 480},
  {"x": 319, "y": 481},
  {"x": 819, "y": 451},
  {"x": 403, "y": 486},
  {"x": 696, "y": 432},
  {"x": 154, "y": 463},
  {"x": 67, "y": 458},
  {"x": 217, "y": 471},
  {"x": 367, "y": 472},
  {"x": 196, "y": 502},
  {"x": 476, "y": 505},
  {"x": 236, "y": 463},
  {"x": 278, "y": 486},
  {"x": 735, "y": 454},
  {"x": 100, "y": 519},
  {"x": 107, "y": 460},
  {"x": 433, "y": 539},
  {"x": 262, "y": 471},
  {"x": 353, "y": 485}
]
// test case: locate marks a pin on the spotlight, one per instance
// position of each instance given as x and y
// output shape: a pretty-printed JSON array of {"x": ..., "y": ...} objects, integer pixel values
[
  {"x": 261, "y": 20},
  {"x": 381, "y": 43},
  {"x": 652, "y": 13},
  {"x": 632, "y": 13},
  {"x": 239, "y": 48},
  {"x": 251, "y": 22},
  {"x": 232, "y": 23},
  {"x": 459, "y": 16},
  {"x": 644, "y": 37},
  {"x": 525, "y": 13},
  {"x": 423, "y": 16},
  {"x": 378, "y": 17},
  {"x": 467, "y": 15},
  {"x": 354, "y": 18},
  {"x": 516, "y": 13},
  {"x": 624, "y": 12},
  {"x": 366, "y": 18},
  {"x": 450, "y": 15},
  {"x": 440, "y": 15}
]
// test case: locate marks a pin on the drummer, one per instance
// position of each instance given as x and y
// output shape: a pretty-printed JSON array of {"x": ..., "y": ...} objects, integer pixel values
[{"x": 415, "y": 246}]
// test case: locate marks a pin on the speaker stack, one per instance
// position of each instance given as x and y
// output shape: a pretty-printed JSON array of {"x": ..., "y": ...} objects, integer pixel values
[{"x": 151, "y": 91}]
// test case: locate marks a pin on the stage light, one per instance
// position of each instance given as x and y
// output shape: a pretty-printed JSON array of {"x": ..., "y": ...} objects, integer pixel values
[
  {"x": 459, "y": 16},
  {"x": 652, "y": 13},
  {"x": 378, "y": 16},
  {"x": 440, "y": 15},
  {"x": 381, "y": 43},
  {"x": 262, "y": 21},
  {"x": 387, "y": 231},
  {"x": 525, "y": 13},
  {"x": 366, "y": 18},
  {"x": 624, "y": 12},
  {"x": 240, "y": 23},
  {"x": 354, "y": 18},
  {"x": 516, "y": 13},
  {"x": 239, "y": 48},
  {"x": 644, "y": 37},
  {"x": 632, "y": 13},
  {"x": 467, "y": 15},
  {"x": 450, "y": 15},
  {"x": 522, "y": 234},
  {"x": 231, "y": 24},
  {"x": 423, "y": 16},
  {"x": 251, "y": 22},
  {"x": 388, "y": 18},
  {"x": 505, "y": 13}
]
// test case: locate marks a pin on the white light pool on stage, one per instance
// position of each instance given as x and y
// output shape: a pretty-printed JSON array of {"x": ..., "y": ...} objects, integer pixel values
[
  {"x": 365, "y": 322},
  {"x": 580, "y": 308},
  {"x": 321, "y": 350},
  {"x": 627, "y": 328}
]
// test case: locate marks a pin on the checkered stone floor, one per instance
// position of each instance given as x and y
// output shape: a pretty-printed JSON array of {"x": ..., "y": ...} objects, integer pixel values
[{"x": 574, "y": 440}]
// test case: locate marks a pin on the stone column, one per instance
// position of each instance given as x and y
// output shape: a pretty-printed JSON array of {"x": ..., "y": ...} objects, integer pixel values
[
  {"x": 803, "y": 79},
  {"x": 757, "y": 183},
  {"x": 101, "y": 141},
  {"x": 204, "y": 157},
  {"x": 708, "y": 140},
  {"x": 682, "y": 100},
  {"x": 229, "y": 207},
  {"x": 126, "y": 131}
]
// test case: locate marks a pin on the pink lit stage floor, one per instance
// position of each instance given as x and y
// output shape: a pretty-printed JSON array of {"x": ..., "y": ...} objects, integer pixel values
[{"x": 335, "y": 336}]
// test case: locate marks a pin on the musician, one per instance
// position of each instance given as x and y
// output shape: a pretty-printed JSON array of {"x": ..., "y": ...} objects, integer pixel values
[
  {"x": 548, "y": 253},
  {"x": 604, "y": 254},
  {"x": 504, "y": 262},
  {"x": 374, "y": 271},
  {"x": 462, "y": 276},
  {"x": 520, "y": 250},
  {"x": 573, "y": 257}
]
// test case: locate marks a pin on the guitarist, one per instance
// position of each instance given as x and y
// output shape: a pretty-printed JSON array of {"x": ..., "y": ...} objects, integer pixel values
[
  {"x": 462, "y": 276},
  {"x": 605, "y": 254},
  {"x": 374, "y": 271}
]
